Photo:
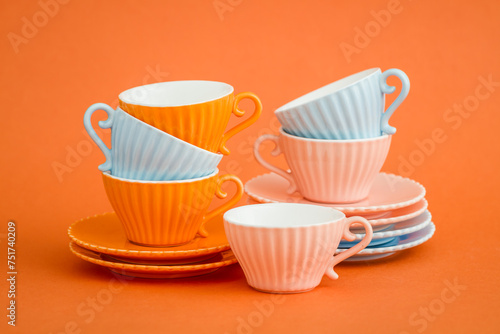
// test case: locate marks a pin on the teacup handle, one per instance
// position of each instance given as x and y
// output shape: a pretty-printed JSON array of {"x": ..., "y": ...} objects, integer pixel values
[
  {"x": 386, "y": 89},
  {"x": 106, "y": 124},
  {"x": 349, "y": 236},
  {"x": 277, "y": 151},
  {"x": 243, "y": 125},
  {"x": 222, "y": 194}
]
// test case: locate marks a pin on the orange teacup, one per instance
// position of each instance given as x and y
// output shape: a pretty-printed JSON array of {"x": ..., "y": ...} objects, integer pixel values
[
  {"x": 167, "y": 213},
  {"x": 194, "y": 111}
]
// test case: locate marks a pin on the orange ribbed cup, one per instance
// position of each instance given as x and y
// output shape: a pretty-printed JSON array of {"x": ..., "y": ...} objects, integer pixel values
[
  {"x": 194, "y": 111},
  {"x": 167, "y": 213}
]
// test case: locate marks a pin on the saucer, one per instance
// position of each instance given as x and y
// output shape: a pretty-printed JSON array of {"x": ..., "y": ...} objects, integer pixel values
[
  {"x": 159, "y": 262},
  {"x": 389, "y": 192},
  {"x": 401, "y": 228},
  {"x": 374, "y": 243},
  {"x": 371, "y": 215},
  {"x": 104, "y": 234},
  {"x": 401, "y": 214},
  {"x": 403, "y": 242},
  {"x": 359, "y": 229},
  {"x": 392, "y": 217},
  {"x": 223, "y": 259}
]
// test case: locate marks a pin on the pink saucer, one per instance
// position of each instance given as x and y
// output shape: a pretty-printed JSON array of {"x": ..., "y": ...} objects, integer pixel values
[
  {"x": 389, "y": 192},
  {"x": 380, "y": 220},
  {"x": 401, "y": 214}
]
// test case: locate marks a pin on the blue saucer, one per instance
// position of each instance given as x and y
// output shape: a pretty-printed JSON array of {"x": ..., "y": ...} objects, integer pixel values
[{"x": 385, "y": 242}]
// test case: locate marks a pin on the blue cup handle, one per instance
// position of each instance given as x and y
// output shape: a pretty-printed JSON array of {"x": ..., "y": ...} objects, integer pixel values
[
  {"x": 106, "y": 124},
  {"x": 386, "y": 89}
]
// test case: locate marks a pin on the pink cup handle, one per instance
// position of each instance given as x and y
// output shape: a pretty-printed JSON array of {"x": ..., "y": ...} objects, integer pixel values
[
  {"x": 277, "y": 151},
  {"x": 349, "y": 236}
]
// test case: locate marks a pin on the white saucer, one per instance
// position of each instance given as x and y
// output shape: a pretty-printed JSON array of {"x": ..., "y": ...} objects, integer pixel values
[
  {"x": 401, "y": 228},
  {"x": 389, "y": 192},
  {"x": 405, "y": 242}
]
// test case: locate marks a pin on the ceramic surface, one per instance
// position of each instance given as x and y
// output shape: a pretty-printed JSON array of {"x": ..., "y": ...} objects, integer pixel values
[
  {"x": 350, "y": 108},
  {"x": 287, "y": 248},
  {"x": 373, "y": 243},
  {"x": 389, "y": 192},
  {"x": 327, "y": 171},
  {"x": 379, "y": 220},
  {"x": 403, "y": 242},
  {"x": 401, "y": 228},
  {"x": 194, "y": 260},
  {"x": 374, "y": 257},
  {"x": 142, "y": 152},
  {"x": 225, "y": 258},
  {"x": 195, "y": 111},
  {"x": 167, "y": 213},
  {"x": 104, "y": 234},
  {"x": 400, "y": 214}
]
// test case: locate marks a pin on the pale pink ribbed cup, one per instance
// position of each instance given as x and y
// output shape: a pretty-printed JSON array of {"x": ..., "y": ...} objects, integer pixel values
[
  {"x": 328, "y": 171},
  {"x": 288, "y": 247}
]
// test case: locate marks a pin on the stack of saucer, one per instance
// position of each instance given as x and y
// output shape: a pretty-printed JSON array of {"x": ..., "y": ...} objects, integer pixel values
[
  {"x": 335, "y": 141},
  {"x": 160, "y": 176},
  {"x": 102, "y": 240}
]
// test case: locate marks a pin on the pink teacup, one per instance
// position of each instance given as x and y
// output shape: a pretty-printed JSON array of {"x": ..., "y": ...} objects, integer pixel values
[
  {"x": 328, "y": 171},
  {"x": 288, "y": 247}
]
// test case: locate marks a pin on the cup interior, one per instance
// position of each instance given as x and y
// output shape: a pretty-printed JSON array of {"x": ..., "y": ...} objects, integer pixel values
[
  {"x": 176, "y": 93},
  {"x": 282, "y": 215},
  {"x": 328, "y": 89}
]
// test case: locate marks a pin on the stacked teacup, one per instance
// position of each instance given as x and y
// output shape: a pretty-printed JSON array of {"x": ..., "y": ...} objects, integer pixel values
[
  {"x": 336, "y": 138},
  {"x": 161, "y": 173}
]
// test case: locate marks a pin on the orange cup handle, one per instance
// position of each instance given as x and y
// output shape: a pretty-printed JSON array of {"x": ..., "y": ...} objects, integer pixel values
[
  {"x": 222, "y": 194},
  {"x": 243, "y": 125}
]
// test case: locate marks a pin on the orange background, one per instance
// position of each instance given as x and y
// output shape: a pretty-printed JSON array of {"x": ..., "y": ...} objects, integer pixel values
[{"x": 90, "y": 51}]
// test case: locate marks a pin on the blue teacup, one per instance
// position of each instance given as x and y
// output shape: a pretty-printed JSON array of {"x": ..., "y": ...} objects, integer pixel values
[
  {"x": 350, "y": 108},
  {"x": 140, "y": 151}
]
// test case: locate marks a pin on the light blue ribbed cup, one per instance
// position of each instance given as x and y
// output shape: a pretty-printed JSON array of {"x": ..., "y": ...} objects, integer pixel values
[
  {"x": 140, "y": 151},
  {"x": 350, "y": 108}
]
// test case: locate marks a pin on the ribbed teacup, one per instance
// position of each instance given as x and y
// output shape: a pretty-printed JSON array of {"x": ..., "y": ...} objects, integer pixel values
[
  {"x": 350, "y": 108},
  {"x": 328, "y": 171},
  {"x": 139, "y": 151},
  {"x": 167, "y": 213},
  {"x": 288, "y": 247}
]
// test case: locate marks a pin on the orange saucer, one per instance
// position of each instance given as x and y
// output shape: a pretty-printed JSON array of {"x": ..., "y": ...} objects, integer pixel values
[
  {"x": 159, "y": 262},
  {"x": 104, "y": 234},
  {"x": 223, "y": 259}
]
